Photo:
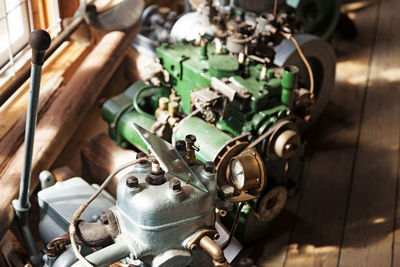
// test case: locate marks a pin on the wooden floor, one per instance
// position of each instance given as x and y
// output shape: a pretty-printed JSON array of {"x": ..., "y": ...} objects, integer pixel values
[{"x": 348, "y": 213}]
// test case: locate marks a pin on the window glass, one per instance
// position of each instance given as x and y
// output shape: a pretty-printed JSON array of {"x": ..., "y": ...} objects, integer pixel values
[
  {"x": 11, "y": 4},
  {"x": 2, "y": 12},
  {"x": 18, "y": 26},
  {"x": 4, "y": 55}
]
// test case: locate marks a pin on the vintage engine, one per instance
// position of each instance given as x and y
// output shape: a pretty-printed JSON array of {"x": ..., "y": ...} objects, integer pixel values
[
  {"x": 246, "y": 112},
  {"x": 164, "y": 210}
]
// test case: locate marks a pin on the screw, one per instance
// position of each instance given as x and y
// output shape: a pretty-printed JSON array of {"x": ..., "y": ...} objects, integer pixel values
[
  {"x": 132, "y": 182},
  {"x": 180, "y": 145},
  {"x": 209, "y": 167},
  {"x": 223, "y": 213},
  {"x": 175, "y": 185}
]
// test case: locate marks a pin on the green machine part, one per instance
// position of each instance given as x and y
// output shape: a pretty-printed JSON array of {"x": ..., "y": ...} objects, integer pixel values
[
  {"x": 210, "y": 140},
  {"x": 319, "y": 17},
  {"x": 191, "y": 70},
  {"x": 120, "y": 113},
  {"x": 289, "y": 79}
]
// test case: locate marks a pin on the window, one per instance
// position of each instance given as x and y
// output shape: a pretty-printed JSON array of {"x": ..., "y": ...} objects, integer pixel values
[{"x": 16, "y": 23}]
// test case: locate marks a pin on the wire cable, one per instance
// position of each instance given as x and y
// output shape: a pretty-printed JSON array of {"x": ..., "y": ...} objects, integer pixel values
[
  {"x": 81, "y": 209},
  {"x": 234, "y": 226},
  {"x": 309, "y": 69},
  {"x": 136, "y": 100},
  {"x": 275, "y": 7}
]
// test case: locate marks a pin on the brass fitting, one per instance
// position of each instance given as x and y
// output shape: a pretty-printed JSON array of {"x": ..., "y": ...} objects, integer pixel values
[
  {"x": 203, "y": 239},
  {"x": 173, "y": 108},
  {"x": 163, "y": 103},
  {"x": 162, "y": 106},
  {"x": 190, "y": 149},
  {"x": 213, "y": 250}
]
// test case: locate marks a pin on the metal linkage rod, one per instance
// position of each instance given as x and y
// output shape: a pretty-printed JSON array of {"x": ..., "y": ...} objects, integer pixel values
[{"x": 39, "y": 41}]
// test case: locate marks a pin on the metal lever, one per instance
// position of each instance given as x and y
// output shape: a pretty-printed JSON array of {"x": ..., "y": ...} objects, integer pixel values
[{"x": 39, "y": 41}]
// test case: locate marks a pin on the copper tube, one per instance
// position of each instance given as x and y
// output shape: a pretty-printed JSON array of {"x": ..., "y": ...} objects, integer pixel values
[{"x": 213, "y": 250}]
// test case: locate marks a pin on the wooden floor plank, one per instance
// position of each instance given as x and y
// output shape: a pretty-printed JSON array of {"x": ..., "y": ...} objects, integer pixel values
[
  {"x": 368, "y": 235},
  {"x": 396, "y": 237},
  {"x": 317, "y": 235},
  {"x": 272, "y": 251}
]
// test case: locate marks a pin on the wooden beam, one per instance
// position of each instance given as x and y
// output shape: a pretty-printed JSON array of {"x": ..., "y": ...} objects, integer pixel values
[
  {"x": 57, "y": 71},
  {"x": 63, "y": 115},
  {"x": 39, "y": 15},
  {"x": 95, "y": 124},
  {"x": 100, "y": 156},
  {"x": 68, "y": 8}
]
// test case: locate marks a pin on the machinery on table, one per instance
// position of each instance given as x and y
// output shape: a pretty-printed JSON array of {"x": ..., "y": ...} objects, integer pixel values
[{"x": 246, "y": 112}]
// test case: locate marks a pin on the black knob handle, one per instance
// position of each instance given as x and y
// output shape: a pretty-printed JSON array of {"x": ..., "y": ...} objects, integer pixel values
[{"x": 40, "y": 41}]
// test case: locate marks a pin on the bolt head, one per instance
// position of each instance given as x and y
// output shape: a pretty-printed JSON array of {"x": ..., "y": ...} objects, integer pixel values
[
  {"x": 132, "y": 182},
  {"x": 175, "y": 185},
  {"x": 228, "y": 190},
  {"x": 180, "y": 145},
  {"x": 190, "y": 138},
  {"x": 209, "y": 167}
]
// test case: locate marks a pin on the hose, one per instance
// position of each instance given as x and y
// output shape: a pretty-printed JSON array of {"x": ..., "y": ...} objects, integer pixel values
[
  {"x": 234, "y": 226},
  {"x": 305, "y": 61},
  {"x": 81, "y": 209},
  {"x": 136, "y": 99},
  {"x": 108, "y": 255}
]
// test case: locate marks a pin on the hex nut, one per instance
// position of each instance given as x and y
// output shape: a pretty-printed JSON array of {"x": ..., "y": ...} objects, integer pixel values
[
  {"x": 155, "y": 178},
  {"x": 132, "y": 182},
  {"x": 209, "y": 167}
]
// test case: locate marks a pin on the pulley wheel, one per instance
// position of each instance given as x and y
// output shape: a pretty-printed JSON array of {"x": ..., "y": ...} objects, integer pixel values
[{"x": 272, "y": 203}]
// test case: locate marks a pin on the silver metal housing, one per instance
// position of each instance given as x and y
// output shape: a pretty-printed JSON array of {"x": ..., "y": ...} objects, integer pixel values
[{"x": 157, "y": 221}]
